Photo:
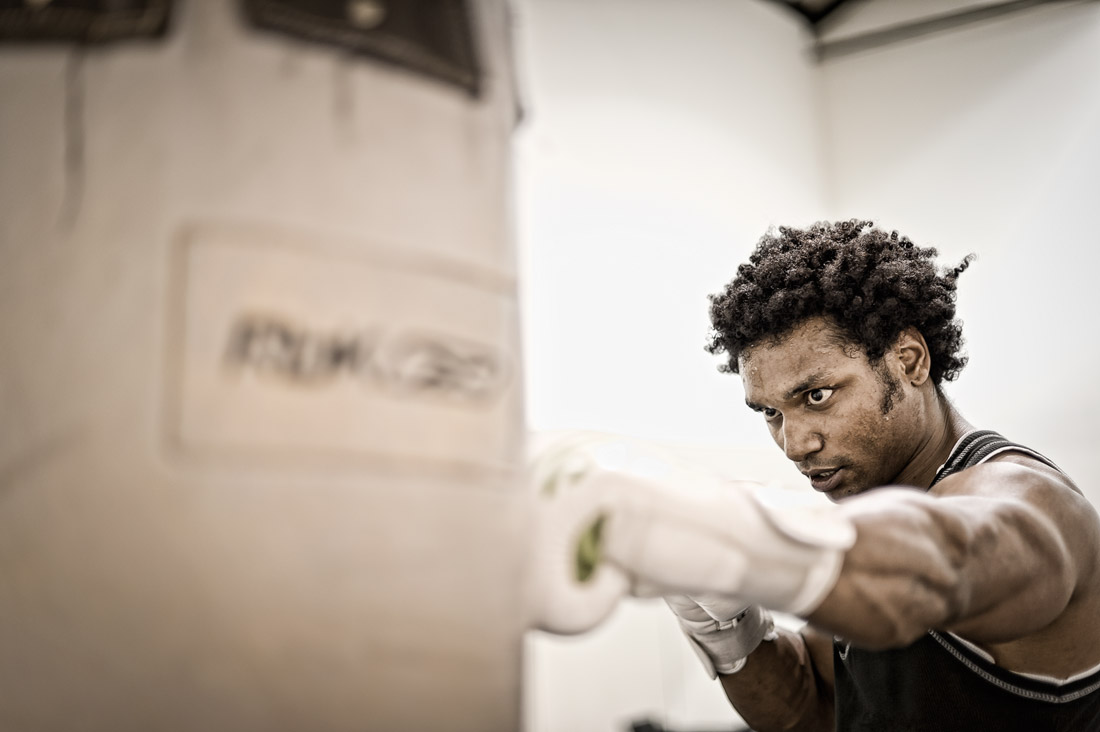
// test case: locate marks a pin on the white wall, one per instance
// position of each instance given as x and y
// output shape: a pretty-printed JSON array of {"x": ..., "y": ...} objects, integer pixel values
[
  {"x": 662, "y": 139},
  {"x": 665, "y": 136},
  {"x": 986, "y": 139}
]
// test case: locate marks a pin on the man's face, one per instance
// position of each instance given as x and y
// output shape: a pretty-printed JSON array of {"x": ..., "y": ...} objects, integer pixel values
[{"x": 848, "y": 425}]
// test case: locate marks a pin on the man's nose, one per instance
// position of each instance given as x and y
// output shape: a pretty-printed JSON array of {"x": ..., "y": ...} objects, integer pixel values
[{"x": 801, "y": 438}]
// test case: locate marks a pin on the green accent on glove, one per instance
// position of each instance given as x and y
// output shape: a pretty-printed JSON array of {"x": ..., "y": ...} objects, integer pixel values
[{"x": 588, "y": 550}]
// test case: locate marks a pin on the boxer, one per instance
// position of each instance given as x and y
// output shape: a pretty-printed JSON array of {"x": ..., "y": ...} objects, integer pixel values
[{"x": 953, "y": 582}]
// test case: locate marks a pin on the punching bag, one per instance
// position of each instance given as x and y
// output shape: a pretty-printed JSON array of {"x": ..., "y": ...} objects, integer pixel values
[{"x": 260, "y": 391}]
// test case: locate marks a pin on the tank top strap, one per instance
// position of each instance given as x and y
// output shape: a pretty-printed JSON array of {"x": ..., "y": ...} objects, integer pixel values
[{"x": 976, "y": 447}]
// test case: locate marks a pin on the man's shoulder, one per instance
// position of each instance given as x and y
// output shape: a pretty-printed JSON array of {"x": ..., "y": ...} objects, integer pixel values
[
  {"x": 1039, "y": 488},
  {"x": 1013, "y": 473},
  {"x": 1038, "y": 494}
]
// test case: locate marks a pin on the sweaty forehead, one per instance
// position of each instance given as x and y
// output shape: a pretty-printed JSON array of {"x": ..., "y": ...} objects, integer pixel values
[{"x": 773, "y": 369}]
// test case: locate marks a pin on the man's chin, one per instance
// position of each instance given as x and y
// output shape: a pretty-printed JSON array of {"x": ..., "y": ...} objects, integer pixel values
[{"x": 845, "y": 490}]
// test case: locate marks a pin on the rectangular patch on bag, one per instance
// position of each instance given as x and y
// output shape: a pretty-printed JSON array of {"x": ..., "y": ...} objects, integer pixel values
[
  {"x": 290, "y": 347},
  {"x": 82, "y": 21},
  {"x": 433, "y": 38}
]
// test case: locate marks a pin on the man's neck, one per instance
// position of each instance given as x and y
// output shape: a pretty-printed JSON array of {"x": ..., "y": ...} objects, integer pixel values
[{"x": 946, "y": 429}]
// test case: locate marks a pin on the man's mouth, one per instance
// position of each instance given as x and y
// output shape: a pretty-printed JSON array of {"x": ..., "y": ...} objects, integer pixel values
[{"x": 825, "y": 481}]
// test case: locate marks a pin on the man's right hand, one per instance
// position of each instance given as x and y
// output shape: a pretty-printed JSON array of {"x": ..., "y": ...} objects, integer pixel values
[
  {"x": 722, "y": 630},
  {"x": 622, "y": 520}
]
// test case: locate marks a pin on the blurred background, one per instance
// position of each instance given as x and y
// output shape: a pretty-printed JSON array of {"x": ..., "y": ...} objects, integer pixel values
[{"x": 663, "y": 137}]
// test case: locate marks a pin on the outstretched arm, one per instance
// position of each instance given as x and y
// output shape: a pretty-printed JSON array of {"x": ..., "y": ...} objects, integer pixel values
[
  {"x": 1004, "y": 554},
  {"x": 997, "y": 553}
]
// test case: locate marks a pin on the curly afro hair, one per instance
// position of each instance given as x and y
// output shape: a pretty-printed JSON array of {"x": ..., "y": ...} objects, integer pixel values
[{"x": 871, "y": 284}]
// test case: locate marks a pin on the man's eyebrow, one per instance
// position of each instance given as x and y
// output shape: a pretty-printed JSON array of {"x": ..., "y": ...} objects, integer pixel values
[{"x": 807, "y": 383}]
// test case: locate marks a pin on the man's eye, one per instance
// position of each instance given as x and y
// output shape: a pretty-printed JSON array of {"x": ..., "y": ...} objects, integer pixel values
[
  {"x": 769, "y": 413},
  {"x": 818, "y": 396}
]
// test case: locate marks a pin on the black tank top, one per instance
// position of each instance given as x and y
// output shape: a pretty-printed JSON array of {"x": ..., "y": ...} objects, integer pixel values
[{"x": 940, "y": 683}]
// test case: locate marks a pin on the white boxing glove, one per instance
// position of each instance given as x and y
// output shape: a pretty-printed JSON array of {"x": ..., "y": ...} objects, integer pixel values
[
  {"x": 722, "y": 630},
  {"x": 571, "y": 589},
  {"x": 644, "y": 524},
  {"x": 720, "y": 539}
]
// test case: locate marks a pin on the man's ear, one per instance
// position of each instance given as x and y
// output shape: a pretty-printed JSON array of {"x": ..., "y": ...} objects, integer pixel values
[{"x": 912, "y": 352}]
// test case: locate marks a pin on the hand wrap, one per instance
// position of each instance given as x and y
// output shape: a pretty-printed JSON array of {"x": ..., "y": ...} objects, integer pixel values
[{"x": 722, "y": 631}]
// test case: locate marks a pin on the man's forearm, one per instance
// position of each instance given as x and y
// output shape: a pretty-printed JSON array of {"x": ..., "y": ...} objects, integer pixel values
[{"x": 780, "y": 688}]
